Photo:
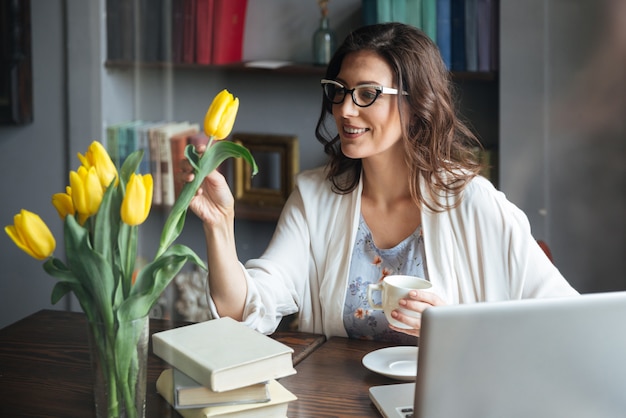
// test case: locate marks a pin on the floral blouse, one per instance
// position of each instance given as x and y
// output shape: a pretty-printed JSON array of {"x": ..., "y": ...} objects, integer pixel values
[{"x": 370, "y": 265}]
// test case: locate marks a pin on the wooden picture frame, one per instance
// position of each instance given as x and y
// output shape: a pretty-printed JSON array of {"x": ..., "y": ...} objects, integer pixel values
[
  {"x": 16, "y": 79},
  {"x": 278, "y": 159}
]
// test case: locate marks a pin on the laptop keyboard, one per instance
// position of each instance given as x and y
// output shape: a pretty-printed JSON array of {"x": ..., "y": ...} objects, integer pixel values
[{"x": 405, "y": 412}]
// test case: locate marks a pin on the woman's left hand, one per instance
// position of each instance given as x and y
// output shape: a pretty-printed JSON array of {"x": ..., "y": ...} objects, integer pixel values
[{"x": 417, "y": 301}]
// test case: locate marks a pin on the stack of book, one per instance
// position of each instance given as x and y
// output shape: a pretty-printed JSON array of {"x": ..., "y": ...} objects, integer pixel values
[
  {"x": 466, "y": 31},
  {"x": 222, "y": 368},
  {"x": 200, "y": 31}
]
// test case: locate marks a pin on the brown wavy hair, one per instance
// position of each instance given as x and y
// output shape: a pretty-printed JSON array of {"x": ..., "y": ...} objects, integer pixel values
[{"x": 439, "y": 146}]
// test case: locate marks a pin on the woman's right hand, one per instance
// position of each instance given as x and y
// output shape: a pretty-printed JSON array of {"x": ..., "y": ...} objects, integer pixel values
[{"x": 214, "y": 202}]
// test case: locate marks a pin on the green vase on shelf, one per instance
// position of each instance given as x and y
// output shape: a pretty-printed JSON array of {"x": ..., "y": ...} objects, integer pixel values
[{"x": 323, "y": 43}]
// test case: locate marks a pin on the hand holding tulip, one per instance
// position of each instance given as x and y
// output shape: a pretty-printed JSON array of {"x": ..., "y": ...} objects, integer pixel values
[{"x": 213, "y": 203}]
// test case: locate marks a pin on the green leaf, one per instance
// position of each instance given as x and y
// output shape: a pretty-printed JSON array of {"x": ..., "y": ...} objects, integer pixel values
[
  {"x": 127, "y": 243},
  {"x": 130, "y": 165},
  {"x": 60, "y": 289},
  {"x": 68, "y": 282},
  {"x": 92, "y": 270},
  {"x": 105, "y": 226},
  {"x": 153, "y": 279}
]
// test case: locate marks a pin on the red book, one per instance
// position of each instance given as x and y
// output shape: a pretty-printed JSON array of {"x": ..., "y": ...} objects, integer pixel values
[
  {"x": 229, "y": 18},
  {"x": 178, "y": 143},
  {"x": 189, "y": 31},
  {"x": 178, "y": 25},
  {"x": 204, "y": 31}
]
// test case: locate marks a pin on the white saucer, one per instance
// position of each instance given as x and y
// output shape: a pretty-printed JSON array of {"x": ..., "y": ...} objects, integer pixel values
[{"x": 395, "y": 362}]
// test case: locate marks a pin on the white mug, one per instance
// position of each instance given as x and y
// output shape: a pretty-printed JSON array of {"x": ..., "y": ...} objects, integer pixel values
[{"x": 394, "y": 288}]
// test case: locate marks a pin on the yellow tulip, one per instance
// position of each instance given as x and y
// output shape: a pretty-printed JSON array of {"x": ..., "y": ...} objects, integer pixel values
[
  {"x": 87, "y": 192},
  {"x": 97, "y": 156},
  {"x": 31, "y": 235},
  {"x": 63, "y": 203},
  {"x": 220, "y": 117},
  {"x": 137, "y": 200}
]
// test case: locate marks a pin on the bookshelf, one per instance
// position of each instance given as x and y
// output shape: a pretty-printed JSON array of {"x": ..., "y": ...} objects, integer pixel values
[{"x": 477, "y": 92}]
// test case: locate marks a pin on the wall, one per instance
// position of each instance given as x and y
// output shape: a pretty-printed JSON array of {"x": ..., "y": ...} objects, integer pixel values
[
  {"x": 563, "y": 131},
  {"x": 32, "y": 166}
]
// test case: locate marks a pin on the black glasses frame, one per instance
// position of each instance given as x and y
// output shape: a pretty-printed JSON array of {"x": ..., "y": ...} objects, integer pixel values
[{"x": 379, "y": 90}]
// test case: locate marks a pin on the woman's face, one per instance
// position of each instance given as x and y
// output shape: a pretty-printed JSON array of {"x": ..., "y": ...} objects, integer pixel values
[{"x": 367, "y": 131}]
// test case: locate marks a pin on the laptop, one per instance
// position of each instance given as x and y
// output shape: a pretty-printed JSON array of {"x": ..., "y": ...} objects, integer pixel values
[{"x": 561, "y": 357}]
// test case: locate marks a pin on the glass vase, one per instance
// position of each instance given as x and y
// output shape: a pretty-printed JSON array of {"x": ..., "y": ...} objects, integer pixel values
[
  {"x": 323, "y": 43},
  {"x": 119, "y": 358}
]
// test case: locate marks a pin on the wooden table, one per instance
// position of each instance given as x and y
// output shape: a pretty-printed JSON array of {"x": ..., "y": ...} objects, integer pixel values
[
  {"x": 45, "y": 371},
  {"x": 332, "y": 381}
]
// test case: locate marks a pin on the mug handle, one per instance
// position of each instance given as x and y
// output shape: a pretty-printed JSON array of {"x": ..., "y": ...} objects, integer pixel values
[{"x": 373, "y": 288}]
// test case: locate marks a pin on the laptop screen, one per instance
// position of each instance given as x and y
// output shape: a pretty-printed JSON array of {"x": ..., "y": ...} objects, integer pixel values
[{"x": 530, "y": 358}]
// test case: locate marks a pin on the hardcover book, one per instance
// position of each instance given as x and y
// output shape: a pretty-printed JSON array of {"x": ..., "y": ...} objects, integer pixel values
[
  {"x": 189, "y": 31},
  {"x": 429, "y": 18},
  {"x": 178, "y": 143},
  {"x": 167, "y": 170},
  {"x": 155, "y": 162},
  {"x": 277, "y": 406},
  {"x": 444, "y": 31},
  {"x": 187, "y": 393},
  {"x": 204, "y": 31},
  {"x": 229, "y": 18},
  {"x": 178, "y": 27},
  {"x": 484, "y": 17},
  {"x": 413, "y": 10},
  {"x": 224, "y": 354},
  {"x": 457, "y": 16},
  {"x": 471, "y": 35}
]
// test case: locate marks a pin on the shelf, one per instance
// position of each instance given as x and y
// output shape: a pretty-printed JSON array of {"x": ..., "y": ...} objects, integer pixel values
[{"x": 290, "y": 69}]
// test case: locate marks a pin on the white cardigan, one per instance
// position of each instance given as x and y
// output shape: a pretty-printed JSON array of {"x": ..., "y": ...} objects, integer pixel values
[{"x": 481, "y": 250}]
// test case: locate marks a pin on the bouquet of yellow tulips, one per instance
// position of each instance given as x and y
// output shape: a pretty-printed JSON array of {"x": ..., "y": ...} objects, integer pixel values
[{"x": 102, "y": 209}]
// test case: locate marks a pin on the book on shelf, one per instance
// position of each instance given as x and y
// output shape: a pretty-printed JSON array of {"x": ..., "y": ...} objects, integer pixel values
[
  {"x": 150, "y": 31},
  {"x": 457, "y": 34},
  {"x": 113, "y": 23},
  {"x": 429, "y": 18},
  {"x": 368, "y": 12},
  {"x": 164, "y": 135},
  {"x": 383, "y": 11},
  {"x": 495, "y": 36},
  {"x": 444, "y": 31},
  {"x": 127, "y": 140},
  {"x": 143, "y": 143},
  {"x": 413, "y": 10},
  {"x": 471, "y": 35},
  {"x": 229, "y": 18},
  {"x": 155, "y": 162},
  {"x": 178, "y": 143},
  {"x": 204, "y": 31},
  {"x": 120, "y": 26},
  {"x": 277, "y": 406},
  {"x": 484, "y": 24},
  {"x": 187, "y": 393},
  {"x": 178, "y": 24},
  {"x": 223, "y": 354},
  {"x": 189, "y": 31}
]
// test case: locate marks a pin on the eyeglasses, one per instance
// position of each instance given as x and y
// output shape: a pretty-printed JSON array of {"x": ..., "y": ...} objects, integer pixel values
[{"x": 362, "y": 96}]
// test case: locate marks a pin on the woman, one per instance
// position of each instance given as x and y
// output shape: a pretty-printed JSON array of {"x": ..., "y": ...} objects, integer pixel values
[{"x": 400, "y": 195}]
